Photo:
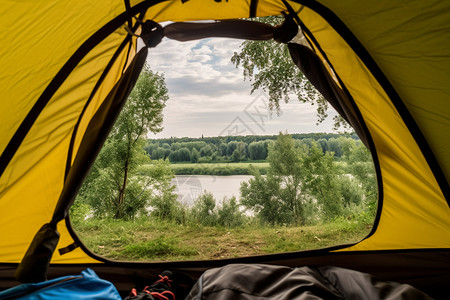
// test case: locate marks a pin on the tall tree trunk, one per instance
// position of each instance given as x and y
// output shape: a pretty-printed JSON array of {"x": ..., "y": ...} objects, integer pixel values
[{"x": 119, "y": 212}]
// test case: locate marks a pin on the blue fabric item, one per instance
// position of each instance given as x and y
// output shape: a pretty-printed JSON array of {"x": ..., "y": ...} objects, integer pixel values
[{"x": 85, "y": 286}]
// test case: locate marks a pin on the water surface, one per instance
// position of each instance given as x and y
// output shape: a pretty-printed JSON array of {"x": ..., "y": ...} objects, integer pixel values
[{"x": 189, "y": 187}]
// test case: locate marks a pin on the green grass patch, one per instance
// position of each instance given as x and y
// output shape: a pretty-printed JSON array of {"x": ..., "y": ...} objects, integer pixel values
[
  {"x": 218, "y": 169},
  {"x": 242, "y": 168},
  {"x": 148, "y": 240},
  {"x": 160, "y": 248}
]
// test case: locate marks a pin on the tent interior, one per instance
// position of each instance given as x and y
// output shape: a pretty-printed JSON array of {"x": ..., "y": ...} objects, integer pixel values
[{"x": 67, "y": 70}]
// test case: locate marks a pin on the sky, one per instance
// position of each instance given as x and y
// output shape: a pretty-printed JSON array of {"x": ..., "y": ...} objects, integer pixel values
[{"x": 209, "y": 97}]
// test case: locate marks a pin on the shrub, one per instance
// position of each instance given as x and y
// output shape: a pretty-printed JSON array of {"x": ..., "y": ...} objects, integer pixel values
[
  {"x": 203, "y": 212},
  {"x": 229, "y": 215}
]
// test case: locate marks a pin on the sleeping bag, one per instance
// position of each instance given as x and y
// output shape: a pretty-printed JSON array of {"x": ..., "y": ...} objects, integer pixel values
[{"x": 257, "y": 281}]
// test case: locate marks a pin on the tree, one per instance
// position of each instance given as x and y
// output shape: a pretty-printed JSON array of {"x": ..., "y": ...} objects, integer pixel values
[
  {"x": 158, "y": 153},
  {"x": 286, "y": 164},
  {"x": 150, "y": 147},
  {"x": 352, "y": 193},
  {"x": 300, "y": 180},
  {"x": 104, "y": 184},
  {"x": 257, "y": 150},
  {"x": 194, "y": 156},
  {"x": 323, "y": 144},
  {"x": 261, "y": 194},
  {"x": 278, "y": 197},
  {"x": 223, "y": 149},
  {"x": 163, "y": 200},
  {"x": 231, "y": 146},
  {"x": 184, "y": 154},
  {"x": 322, "y": 182},
  {"x": 174, "y": 156},
  {"x": 116, "y": 189},
  {"x": 335, "y": 146},
  {"x": 360, "y": 165},
  {"x": 347, "y": 144},
  {"x": 206, "y": 151},
  {"x": 269, "y": 66},
  {"x": 236, "y": 156},
  {"x": 242, "y": 148}
]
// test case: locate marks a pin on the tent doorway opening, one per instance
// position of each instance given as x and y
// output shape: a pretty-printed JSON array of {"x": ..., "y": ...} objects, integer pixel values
[{"x": 221, "y": 172}]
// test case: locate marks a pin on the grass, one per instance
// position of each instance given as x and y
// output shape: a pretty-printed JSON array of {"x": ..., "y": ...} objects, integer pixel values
[
  {"x": 241, "y": 168},
  {"x": 147, "y": 240},
  {"x": 221, "y": 165},
  {"x": 221, "y": 169}
]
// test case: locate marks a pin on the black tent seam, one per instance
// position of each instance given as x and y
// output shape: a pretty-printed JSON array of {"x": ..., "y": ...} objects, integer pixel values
[
  {"x": 270, "y": 259},
  {"x": 130, "y": 45},
  {"x": 84, "y": 153},
  {"x": 361, "y": 120},
  {"x": 279, "y": 257},
  {"x": 373, "y": 149},
  {"x": 104, "y": 133},
  {"x": 127, "y": 8},
  {"x": 133, "y": 29},
  {"x": 80, "y": 243},
  {"x": 94, "y": 90},
  {"x": 61, "y": 76},
  {"x": 253, "y": 8},
  {"x": 305, "y": 254},
  {"x": 69, "y": 158},
  {"x": 114, "y": 103},
  {"x": 395, "y": 98}
]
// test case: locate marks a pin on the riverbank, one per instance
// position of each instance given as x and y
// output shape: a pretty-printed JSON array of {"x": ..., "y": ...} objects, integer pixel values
[
  {"x": 218, "y": 169},
  {"x": 221, "y": 169}
]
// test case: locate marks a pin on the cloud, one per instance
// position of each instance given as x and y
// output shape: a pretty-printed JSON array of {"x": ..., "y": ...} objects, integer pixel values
[
  {"x": 198, "y": 68},
  {"x": 209, "y": 97}
]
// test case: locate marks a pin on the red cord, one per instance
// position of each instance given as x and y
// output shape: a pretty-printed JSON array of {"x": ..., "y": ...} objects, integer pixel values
[
  {"x": 160, "y": 296},
  {"x": 164, "y": 279}
]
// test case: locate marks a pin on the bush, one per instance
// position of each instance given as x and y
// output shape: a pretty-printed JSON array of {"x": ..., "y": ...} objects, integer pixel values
[
  {"x": 352, "y": 193},
  {"x": 229, "y": 215},
  {"x": 79, "y": 212},
  {"x": 166, "y": 207},
  {"x": 203, "y": 212}
]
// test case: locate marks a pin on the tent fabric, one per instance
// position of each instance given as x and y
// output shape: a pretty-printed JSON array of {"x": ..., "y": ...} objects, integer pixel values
[
  {"x": 401, "y": 162},
  {"x": 33, "y": 266},
  {"x": 60, "y": 61},
  {"x": 35, "y": 175},
  {"x": 314, "y": 69}
]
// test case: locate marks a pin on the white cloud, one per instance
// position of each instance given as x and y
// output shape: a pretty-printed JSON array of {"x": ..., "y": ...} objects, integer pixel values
[{"x": 209, "y": 96}]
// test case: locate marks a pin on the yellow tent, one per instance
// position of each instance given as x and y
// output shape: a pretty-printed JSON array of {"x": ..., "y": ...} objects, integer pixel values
[{"x": 66, "y": 68}]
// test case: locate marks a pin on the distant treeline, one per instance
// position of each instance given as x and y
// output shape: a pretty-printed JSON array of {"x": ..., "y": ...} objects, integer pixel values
[{"x": 237, "y": 148}]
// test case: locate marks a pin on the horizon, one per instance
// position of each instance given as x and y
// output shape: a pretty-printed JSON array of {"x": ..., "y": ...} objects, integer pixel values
[
  {"x": 256, "y": 135},
  {"x": 208, "y": 95}
]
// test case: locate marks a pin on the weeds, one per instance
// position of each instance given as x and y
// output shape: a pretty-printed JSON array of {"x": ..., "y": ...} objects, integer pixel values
[
  {"x": 145, "y": 239},
  {"x": 161, "y": 248}
]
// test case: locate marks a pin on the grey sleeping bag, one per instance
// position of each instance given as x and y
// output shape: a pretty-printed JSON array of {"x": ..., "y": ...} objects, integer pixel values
[{"x": 257, "y": 281}]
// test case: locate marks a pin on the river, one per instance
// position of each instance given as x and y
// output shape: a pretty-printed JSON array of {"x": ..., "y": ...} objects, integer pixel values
[{"x": 189, "y": 187}]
